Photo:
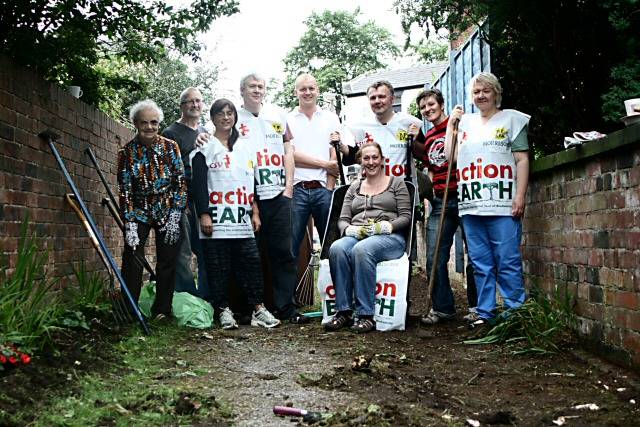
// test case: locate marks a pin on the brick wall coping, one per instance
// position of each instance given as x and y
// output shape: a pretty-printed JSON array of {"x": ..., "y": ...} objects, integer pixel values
[{"x": 616, "y": 140}]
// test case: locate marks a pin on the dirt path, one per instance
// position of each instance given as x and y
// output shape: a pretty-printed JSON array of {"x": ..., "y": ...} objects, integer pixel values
[{"x": 418, "y": 377}]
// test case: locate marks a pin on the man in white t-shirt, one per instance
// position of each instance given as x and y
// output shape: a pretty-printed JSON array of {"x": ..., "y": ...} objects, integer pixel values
[
  {"x": 265, "y": 127},
  {"x": 316, "y": 165}
]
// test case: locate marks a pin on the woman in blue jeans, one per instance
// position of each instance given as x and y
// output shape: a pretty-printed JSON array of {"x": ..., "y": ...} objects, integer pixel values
[{"x": 375, "y": 212}]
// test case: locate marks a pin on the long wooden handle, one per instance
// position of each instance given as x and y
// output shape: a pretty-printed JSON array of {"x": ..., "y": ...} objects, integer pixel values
[{"x": 434, "y": 265}]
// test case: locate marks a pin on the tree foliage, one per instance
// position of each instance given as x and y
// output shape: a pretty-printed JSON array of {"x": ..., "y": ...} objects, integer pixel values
[
  {"x": 336, "y": 48},
  {"x": 65, "y": 41},
  {"x": 162, "y": 82},
  {"x": 568, "y": 64}
]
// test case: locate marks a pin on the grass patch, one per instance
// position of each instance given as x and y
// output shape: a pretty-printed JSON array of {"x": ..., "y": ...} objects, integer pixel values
[
  {"x": 147, "y": 389},
  {"x": 539, "y": 326}
]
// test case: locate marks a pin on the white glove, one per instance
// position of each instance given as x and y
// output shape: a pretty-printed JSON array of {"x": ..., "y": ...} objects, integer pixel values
[
  {"x": 382, "y": 227},
  {"x": 131, "y": 234},
  {"x": 171, "y": 227},
  {"x": 357, "y": 231}
]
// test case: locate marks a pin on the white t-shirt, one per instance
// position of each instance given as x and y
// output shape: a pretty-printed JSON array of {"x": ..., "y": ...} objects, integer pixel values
[
  {"x": 230, "y": 185},
  {"x": 486, "y": 168},
  {"x": 311, "y": 136},
  {"x": 266, "y": 134},
  {"x": 392, "y": 137}
]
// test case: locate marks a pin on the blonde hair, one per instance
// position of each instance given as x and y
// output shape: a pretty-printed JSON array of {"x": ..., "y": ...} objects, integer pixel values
[{"x": 489, "y": 80}]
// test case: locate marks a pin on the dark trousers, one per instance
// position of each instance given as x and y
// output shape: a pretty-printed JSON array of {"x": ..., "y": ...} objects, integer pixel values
[
  {"x": 275, "y": 238},
  {"x": 237, "y": 257},
  {"x": 442, "y": 295},
  {"x": 166, "y": 256}
]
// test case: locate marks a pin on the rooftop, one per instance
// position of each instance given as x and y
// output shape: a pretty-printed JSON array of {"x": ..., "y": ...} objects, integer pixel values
[{"x": 403, "y": 78}]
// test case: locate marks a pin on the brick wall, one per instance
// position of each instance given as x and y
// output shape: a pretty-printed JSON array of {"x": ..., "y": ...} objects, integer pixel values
[
  {"x": 30, "y": 179},
  {"x": 581, "y": 232}
]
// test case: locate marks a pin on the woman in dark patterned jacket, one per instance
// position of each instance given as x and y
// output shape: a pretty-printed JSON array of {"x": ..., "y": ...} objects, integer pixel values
[{"x": 152, "y": 195}]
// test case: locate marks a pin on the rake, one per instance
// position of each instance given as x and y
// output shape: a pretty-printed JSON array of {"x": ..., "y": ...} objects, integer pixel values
[
  {"x": 120, "y": 312},
  {"x": 306, "y": 285},
  {"x": 50, "y": 137}
]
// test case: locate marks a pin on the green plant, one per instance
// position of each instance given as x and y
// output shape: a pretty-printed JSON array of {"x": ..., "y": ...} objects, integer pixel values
[
  {"x": 28, "y": 307},
  {"x": 538, "y": 326},
  {"x": 88, "y": 292}
]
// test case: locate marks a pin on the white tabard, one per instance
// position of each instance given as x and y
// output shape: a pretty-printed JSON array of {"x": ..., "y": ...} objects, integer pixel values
[
  {"x": 266, "y": 134},
  {"x": 230, "y": 184},
  {"x": 392, "y": 137},
  {"x": 486, "y": 168}
]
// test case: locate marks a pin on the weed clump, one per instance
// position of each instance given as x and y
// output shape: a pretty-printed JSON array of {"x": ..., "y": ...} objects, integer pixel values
[{"x": 540, "y": 326}]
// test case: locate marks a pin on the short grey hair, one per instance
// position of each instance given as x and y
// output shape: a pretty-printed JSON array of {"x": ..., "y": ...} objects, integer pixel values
[
  {"x": 251, "y": 76},
  {"x": 146, "y": 104},
  {"x": 489, "y": 80},
  {"x": 187, "y": 91}
]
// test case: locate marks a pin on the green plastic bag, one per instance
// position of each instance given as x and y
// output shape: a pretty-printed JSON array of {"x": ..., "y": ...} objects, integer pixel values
[
  {"x": 188, "y": 310},
  {"x": 192, "y": 311},
  {"x": 147, "y": 296}
]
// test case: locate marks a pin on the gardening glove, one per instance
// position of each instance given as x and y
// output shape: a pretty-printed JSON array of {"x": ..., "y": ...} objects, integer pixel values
[
  {"x": 382, "y": 227},
  {"x": 171, "y": 227},
  {"x": 359, "y": 232},
  {"x": 131, "y": 235}
]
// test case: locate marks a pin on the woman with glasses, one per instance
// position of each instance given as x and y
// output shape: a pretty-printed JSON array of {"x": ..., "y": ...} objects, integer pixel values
[
  {"x": 375, "y": 212},
  {"x": 223, "y": 190},
  {"x": 152, "y": 195}
]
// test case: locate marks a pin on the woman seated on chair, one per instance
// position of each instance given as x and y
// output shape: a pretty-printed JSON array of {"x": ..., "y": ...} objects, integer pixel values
[{"x": 376, "y": 211}]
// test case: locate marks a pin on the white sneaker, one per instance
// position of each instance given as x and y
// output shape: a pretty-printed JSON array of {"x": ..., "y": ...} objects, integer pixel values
[
  {"x": 226, "y": 319},
  {"x": 263, "y": 318}
]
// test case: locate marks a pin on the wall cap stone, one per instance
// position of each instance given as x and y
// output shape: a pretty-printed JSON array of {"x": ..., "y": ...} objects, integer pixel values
[{"x": 613, "y": 141}]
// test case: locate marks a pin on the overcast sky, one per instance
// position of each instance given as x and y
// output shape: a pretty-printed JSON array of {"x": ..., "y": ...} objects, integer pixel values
[{"x": 260, "y": 35}]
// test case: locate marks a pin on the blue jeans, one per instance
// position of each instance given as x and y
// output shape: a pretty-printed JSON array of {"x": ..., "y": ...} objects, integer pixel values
[
  {"x": 275, "y": 238},
  {"x": 353, "y": 269},
  {"x": 442, "y": 295},
  {"x": 190, "y": 243},
  {"x": 313, "y": 202},
  {"x": 494, "y": 249}
]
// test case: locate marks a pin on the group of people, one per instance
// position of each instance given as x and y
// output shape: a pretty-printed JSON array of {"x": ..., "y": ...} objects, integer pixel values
[{"x": 253, "y": 184}]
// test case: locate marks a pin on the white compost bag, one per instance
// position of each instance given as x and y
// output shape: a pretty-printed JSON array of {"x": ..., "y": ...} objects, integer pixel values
[{"x": 391, "y": 293}]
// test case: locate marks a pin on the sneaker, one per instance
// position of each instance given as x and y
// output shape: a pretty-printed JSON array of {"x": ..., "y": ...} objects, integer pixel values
[
  {"x": 299, "y": 319},
  {"x": 478, "y": 328},
  {"x": 226, "y": 319},
  {"x": 434, "y": 317},
  {"x": 263, "y": 318},
  {"x": 472, "y": 316}
]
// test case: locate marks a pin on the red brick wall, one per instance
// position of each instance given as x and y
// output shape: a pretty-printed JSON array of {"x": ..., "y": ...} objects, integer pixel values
[
  {"x": 582, "y": 233},
  {"x": 30, "y": 179}
]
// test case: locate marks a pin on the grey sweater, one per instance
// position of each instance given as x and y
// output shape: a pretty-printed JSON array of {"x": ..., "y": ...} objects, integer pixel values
[{"x": 393, "y": 205}]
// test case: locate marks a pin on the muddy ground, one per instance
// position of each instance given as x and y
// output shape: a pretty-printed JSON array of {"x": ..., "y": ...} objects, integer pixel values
[{"x": 420, "y": 377}]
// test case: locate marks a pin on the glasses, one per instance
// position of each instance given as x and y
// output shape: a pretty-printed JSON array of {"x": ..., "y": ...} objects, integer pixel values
[
  {"x": 192, "y": 101},
  {"x": 152, "y": 123},
  {"x": 224, "y": 114}
]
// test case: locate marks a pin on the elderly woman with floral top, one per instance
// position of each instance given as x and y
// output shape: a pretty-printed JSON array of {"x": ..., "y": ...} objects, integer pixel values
[{"x": 152, "y": 195}]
